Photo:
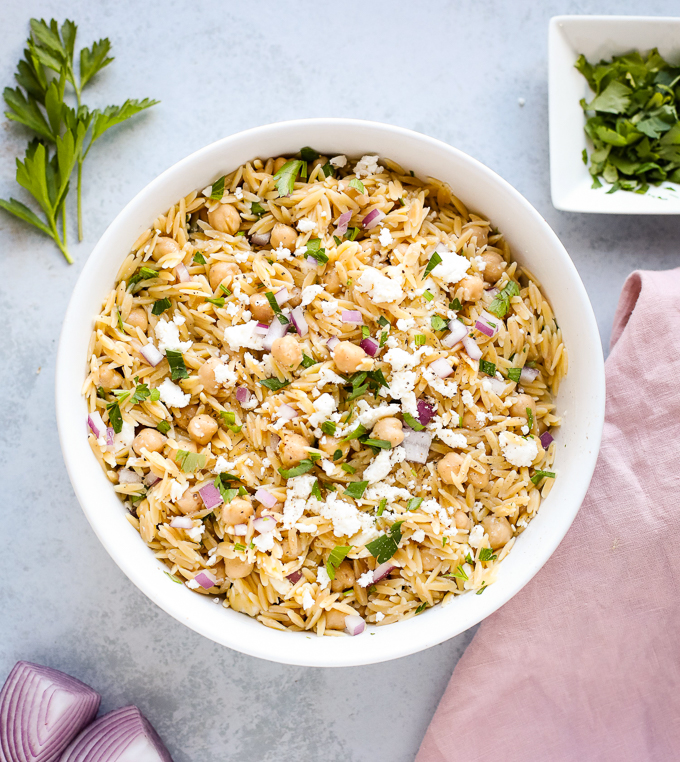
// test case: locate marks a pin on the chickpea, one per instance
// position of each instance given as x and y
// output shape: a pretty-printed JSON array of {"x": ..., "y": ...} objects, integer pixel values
[
  {"x": 344, "y": 577},
  {"x": 185, "y": 415},
  {"x": 368, "y": 245},
  {"x": 287, "y": 352},
  {"x": 164, "y": 246},
  {"x": 473, "y": 288},
  {"x": 151, "y": 439},
  {"x": 262, "y": 510},
  {"x": 499, "y": 531},
  {"x": 449, "y": 468},
  {"x": 478, "y": 480},
  {"x": 236, "y": 512},
  {"x": 260, "y": 308},
  {"x": 470, "y": 421},
  {"x": 295, "y": 298},
  {"x": 234, "y": 568},
  {"x": 348, "y": 357},
  {"x": 206, "y": 375},
  {"x": 283, "y": 235},
  {"x": 109, "y": 378},
  {"x": 225, "y": 218},
  {"x": 495, "y": 264},
  {"x": 222, "y": 272},
  {"x": 390, "y": 429},
  {"x": 461, "y": 519},
  {"x": 293, "y": 448},
  {"x": 479, "y": 234},
  {"x": 138, "y": 319},
  {"x": 331, "y": 445},
  {"x": 291, "y": 548},
  {"x": 190, "y": 502},
  {"x": 320, "y": 162},
  {"x": 519, "y": 407},
  {"x": 202, "y": 428},
  {"x": 278, "y": 163},
  {"x": 335, "y": 620},
  {"x": 428, "y": 559},
  {"x": 332, "y": 282}
]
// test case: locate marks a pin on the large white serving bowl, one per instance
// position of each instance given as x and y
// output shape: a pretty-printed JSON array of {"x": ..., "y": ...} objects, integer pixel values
[{"x": 580, "y": 401}]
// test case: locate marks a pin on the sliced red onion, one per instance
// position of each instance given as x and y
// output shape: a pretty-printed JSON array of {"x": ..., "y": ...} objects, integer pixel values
[
  {"x": 264, "y": 524},
  {"x": 354, "y": 624},
  {"x": 260, "y": 239},
  {"x": 276, "y": 331},
  {"x": 417, "y": 446},
  {"x": 127, "y": 476},
  {"x": 487, "y": 330},
  {"x": 298, "y": 319},
  {"x": 546, "y": 439},
  {"x": 352, "y": 316},
  {"x": 332, "y": 343},
  {"x": 441, "y": 367},
  {"x": 97, "y": 426},
  {"x": 122, "y": 735},
  {"x": 370, "y": 346},
  {"x": 474, "y": 352},
  {"x": 150, "y": 479},
  {"x": 487, "y": 324},
  {"x": 372, "y": 219},
  {"x": 286, "y": 412},
  {"x": 266, "y": 498},
  {"x": 241, "y": 530},
  {"x": 182, "y": 273},
  {"x": 425, "y": 412},
  {"x": 492, "y": 291},
  {"x": 242, "y": 395},
  {"x": 342, "y": 223},
  {"x": 282, "y": 296},
  {"x": 311, "y": 261},
  {"x": 110, "y": 436},
  {"x": 458, "y": 331},
  {"x": 181, "y": 522},
  {"x": 211, "y": 496},
  {"x": 41, "y": 711},
  {"x": 261, "y": 328},
  {"x": 152, "y": 355},
  {"x": 380, "y": 572},
  {"x": 205, "y": 579},
  {"x": 528, "y": 375},
  {"x": 295, "y": 577}
]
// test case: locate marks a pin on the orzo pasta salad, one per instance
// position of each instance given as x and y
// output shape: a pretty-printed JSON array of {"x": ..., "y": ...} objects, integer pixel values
[{"x": 324, "y": 392}]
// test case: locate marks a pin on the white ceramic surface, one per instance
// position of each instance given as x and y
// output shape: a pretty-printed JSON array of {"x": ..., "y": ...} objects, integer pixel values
[
  {"x": 581, "y": 399},
  {"x": 598, "y": 38}
]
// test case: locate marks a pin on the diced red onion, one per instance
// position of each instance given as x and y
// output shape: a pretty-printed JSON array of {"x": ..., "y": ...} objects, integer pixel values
[
  {"x": 150, "y": 479},
  {"x": 260, "y": 239},
  {"x": 312, "y": 261},
  {"x": 492, "y": 291},
  {"x": 286, "y": 412},
  {"x": 110, "y": 436},
  {"x": 298, "y": 319},
  {"x": 489, "y": 322},
  {"x": 354, "y": 624},
  {"x": 425, "y": 412},
  {"x": 41, "y": 711},
  {"x": 97, "y": 426},
  {"x": 528, "y": 375},
  {"x": 261, "y": 328},
  {"x": 441, "y": 367},
  {"x": 417, "y": 446},
  {"x": 332, "y": 343},
  {"x": 275, "y": 331},
  {"x": 372, "y": 219},
  {"x": 497, "y": 386},
  {"x": 266, "y": 498},
  {"x": 264, "y": 524},
  {"x": 295, "y": 577},
  {"x": 127, "y": 476},
  {"x": 352, "y": 316},
  {"x": 123, "y": 734},
  {"x": 182, "y": 273},
  {"x": 151, "y": 354},
  {"x": 241, "y": 530},
  {"x": 282, "y": 296},
  {"x": 370, "y": 346},
  {"x": 274, "y": 439},
  {"x": 206, "y": 579},
  {"x": 211, "y": 496},
  {"x": 242, "y": 394},
  {"x": 474, "y": 352},
  {"x": 487, "y": 330},
  {"x": 458, "y": 331},
  {"x": 380, "y": 572},
  {"x": 342, "y": 223},
  {"x": 181, "y": 522},
  {"x": 546, "y": 439}
]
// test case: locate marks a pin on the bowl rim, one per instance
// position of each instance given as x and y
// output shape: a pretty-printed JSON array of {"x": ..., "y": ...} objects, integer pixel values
[{"x": 174, "y": 601}]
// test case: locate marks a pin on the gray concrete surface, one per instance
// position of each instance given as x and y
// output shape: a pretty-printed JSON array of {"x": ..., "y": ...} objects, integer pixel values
[{"x": 454, "y": 70}]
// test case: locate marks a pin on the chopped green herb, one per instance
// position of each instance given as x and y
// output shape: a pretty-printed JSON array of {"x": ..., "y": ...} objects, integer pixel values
[
  {"x": 349, "y": 285},
  {"x": 199, "y": 259},
  {"x": 435, "y": 260},
  {"x": 501, "y": 302},
  {"x": 428, "y": 295},
  {"x": 335, "y": 558},
  {"x": 315, "y": 251},
  {"x": 584, "y": 156},
  {"x": 458, "y": 573},
  {"x": 365, "y": 332},
  {"x": 444, "y": 541},
  {"x": 438, "y": 323},
  {"x": 190, "y": 461},
  {"x": 346, "y": 466},
  {"x": 328, "y": 169},
  {"x": 176, "y": 362},
  {"x": 514, "y": 374},
  {"x": 225, "y": 290},
  {"x": 455, "y": 305},
  {"x": 273, "y": 384},
  {"x": 383, "y": 321},
  {"x": 481, "y": 589},
  {"x": 536, "y": 478},
  {"x": 218, "y": 301},
  {"x": 257, "y": 209},
  {"x": 173, "y": 578},
  {"x": 414, "y": 423},
  {"x": 383, "y": 338},
  {"x": 120, "y": 322},
  {"x": 239, "y": 546},
  {"x": 372, "y": 589},
  {"x": 356, "y": 489},
  {"x": 420, "y": 339},
  {"x": 101, "y": 393},
  {"x": 337, "y": 455},
  {"x": 276, "y": 308},
  {"x": 217, "y": 189},
  {"x": 486, "y": 554},
  {"x": 115, "y": 418},
  {"x": 142, "y": 392},
  {"x": 308, "y": 154},
  {"x": 163, "y": 427},
  {"x": 381, "y": 507},
  {"x": 160, "y": 306},
  {"x": 285, "y": 177},
  {"x": 469, "y": 559},
  {"x": 229, "y": 420},
  {"x": 422, "y": 607},
  {"x": 352, "y": 234},
  {"x": 329, "y": 427},
  {"x": 381, "y": 444},
  {"x": 414, "y": 503},
  {"x": 487, "y": 367},
  {"x": 530, "y": 418},
  {"x": 385, "y": 546},
  {"x": 144, "y": 273},
  {"x": 307, "y": 362},
  {"x": 303, "y": 467},
  {"x": 357, "y": 185},
  {"x": 358, "y": 432},
  {"x": 228, "y": 493},
  {"x": 337, "y": 240}
]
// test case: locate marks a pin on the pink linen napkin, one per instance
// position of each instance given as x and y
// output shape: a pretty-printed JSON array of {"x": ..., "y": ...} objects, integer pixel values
[{"x": 584, "y": 663}]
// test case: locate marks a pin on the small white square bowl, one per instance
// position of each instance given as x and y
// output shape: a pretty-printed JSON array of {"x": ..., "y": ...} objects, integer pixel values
[{"x": 598, "y": 37}]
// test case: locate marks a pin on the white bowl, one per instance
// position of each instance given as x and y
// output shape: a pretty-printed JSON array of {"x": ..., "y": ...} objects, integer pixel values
[
  {"x": 581, "y": 398},
  {"x": 597, "y": 37}
]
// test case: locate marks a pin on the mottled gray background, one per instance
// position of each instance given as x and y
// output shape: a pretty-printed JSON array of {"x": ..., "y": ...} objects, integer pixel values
[{"x": 454, "y": 70}]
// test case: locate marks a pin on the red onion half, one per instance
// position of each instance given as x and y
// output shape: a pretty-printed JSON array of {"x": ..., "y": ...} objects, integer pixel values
[
  {"x": 242, "y": 395},
  {"x": 205, "y": 579},
  {"x": 417, "y": 446},
  {"x": 354, "y": 624},
  {"x": 41, "y": 712},
  {"x": 372, "y": 219},
  {"x": 124, "y": 734},
  {"x": 151, "y": 354},
  {"x": 342, "y": 223},
  {"x": 370, "y": 346}
]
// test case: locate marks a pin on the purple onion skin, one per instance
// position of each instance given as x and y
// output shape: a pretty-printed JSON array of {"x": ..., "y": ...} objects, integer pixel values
[
  {"x": 295, "y": 577},
  {"x": 546, "y": 439},
  {"x": 425, "y": 412}
]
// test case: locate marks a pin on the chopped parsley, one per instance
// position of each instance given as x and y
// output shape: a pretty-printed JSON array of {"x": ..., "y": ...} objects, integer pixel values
[
  {"x": 414, "y": 503},
  {"x": 308, "y": 154},
  {"x": 486, "y": 554},
  {"x": 481, "y": 589},
  {"x": 257, "y": 209},
  {"x": 329, "y": 427},
  {"x": 381, "y": 506},
  {"x": 120, "y": 322},
  {"x": 487, "y": 367},
  {"x": 315, "y": 251},
  {"x": 163, "y": 427},
  {"x": 160, "y": 306},
  {"x": 383, "y": 321},
  {"x": 335, "y": 558},
  {"x": 302, "y": 468},
  {"x": 337, "y": 455},
  {"x": 356, "y": 489},
  {"x": 346, "y": 466},
  {"x": 115, "y": 418},
  {"x": 385, "y": 546},
  {"x": 356, "y": 183},
  {"x": 358, "y": 432},
  {"x": 286, "y": 176},
  {"x": 435, "y": 260},
  {"x": 438, "y": 323},
  {"x": 383, "y": 338},
  {"x": 176, "y": 362},
  {"x": 414, "y": 423},
  {"x": 420, "y": 339},
  {"x": 365, "y": 331},
  {"x": 227, "y": 492},
  {"x": 536, "y": 478},
  {"x": 337, "y": 240},
  {"x": 428, "y": 295},
  {"x": 144, "y": 273},
  {"x": 328, "y": 169},
  {"x": 199, "y": 259},
  {"x": 381, "y": 444},
  {"x": 217, "y": 189},
  {"x": 307, "y": 362},
  {"x": 455, "y": 305},
  {"x": 225, "y": 290},
  {"x": 352, "y": 234},
  {"x": 229, "y": 420},
  {"x": 276, "y": 308},
  {"x": 501, "y": 302},
  {"x": 190, "y": 461},
  {"x": 218, "y": 301},
  {"x": 316, "y": 490},
  {"x": 422, "y": 607},
  {"x": 173, "y": 578},
  {"x": 530, "y": 418},
  {"x": 458, "y": 573},
  {"x": 514, "y": 374},
  {"x": 273, "y": 384},
  {"x": 239, "y": 546}
]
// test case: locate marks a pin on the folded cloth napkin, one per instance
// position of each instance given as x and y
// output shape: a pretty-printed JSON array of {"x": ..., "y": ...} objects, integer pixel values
[{"x": 584, "y": 662}]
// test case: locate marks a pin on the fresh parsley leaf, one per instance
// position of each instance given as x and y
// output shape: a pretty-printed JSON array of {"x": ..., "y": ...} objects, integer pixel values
[
  {"x": 458, "y": 573},
  {"x": 420, "y": 339},
  {"x": 381, "y": 506},
  {"x": 173, "y": 578},
  {"x": 414, "y": 503},
  {"x": 315, "y": 251},
  {"x": 383, "y": 321},
  {"x": 144, "y": 273},
  {"x": 115, "y": 417},
  {"x": 335, "y": 558},
  {"x": 309, "y": 154},
  {"x": 438, "y": 323},
  {"x": 358, "y": 432},
  {"x": 276, "y": 309},
  {"x": 285, "y": 177},
  {"x": 257, "y": 209},
  {"x": 347, "y": 468},
  {"x": 190, "y": 462},
  {"x": 530, "y": 418},
  {"x": 239, "y": 546},
  {"x": 352, "y": 234},
  {"x": 414, "y": 423},
  {"x": 229, "y": 420},
  {"x": 435, "y": 260},
  {"x": 381, "y": 444},
  {"x": 487, "y": 367},
  {"x": 455, "y": 305},
  {"x": 383, "y": 338},
  {"x": 316, "y": 490},
  {"x": 328, "y": 169},
  {"x": 337, "y": 240},
  {"x": 307, "y": 362},
  {"x": 501, "y": 302},
  {"x": 357, "y": 185},
  {"x": 428, "y": 295},
  {"x": 199, "y": 259},
  {"x": 539, "y": 475},
  {"x": 514, "y": 374},
  {"x": 163, "y": 427},
  {"x": 337, "y": 455},
  {"x": 356, "y": 489},
  {"x": 160, "y": 306},
  {"x": 225, "y": 290},
  {"x": 273, "y": 384},
  {"x": 421, "y": 608},
  {"x": 217, "y": 189},
  {"x": 329, "y": 427},
  {"x": 302, "y": 468},
  {"x": 365, "y": 331},
  {"x": 385, "y": 546},
  {"x": 486, "y": 554},
  {"x": 176, "y": 362}
]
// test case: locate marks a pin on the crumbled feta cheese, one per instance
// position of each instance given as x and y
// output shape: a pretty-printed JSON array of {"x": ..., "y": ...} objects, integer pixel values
[
  {"x": 298, "y": 489},
  {"x": 243, "y": 336},
  {"x": 346, "y": 519},
  {"x": 367, "y": 165},
  {"x": 264, "y": 542},
  {"x": 324, "y": 407},
  {"x": 476, "y": 539},
  {"x": 452, "y": 268},
  {"x": 383, "y": 464},
  {"x": 239, "y": 193},
  {"x": 327, "y": 376},
  {"x": 525, "y": 429},
  {"x": 468, "y": 399},
  {"x": 385, "y": 237},
  {"x": 445, "y": 387},
  {"x": 517, "y": 450},
  {"x": 418, "y": 535},
  {"x": 195, "y": 533},
  {"x": 307, "y": 601},
  {"x": 222, "y": 465},
  {"x": 225, "y": 375},
  {"x": 176, "y": 490},
  {"x": 329, "y": 307},
  {"x": 405, "y": 324},
  {"x": 172, "y": 395},
  {"x": 125, "y": 437},
  {"x": 482, "y": 417},
  {"x": 379, "y": 616},
  {"x": 480, "y": 262},
  {"x": 451, "y": 438},
  {"x": 309, "y": 294},
  {"x": 383, "y": 490},
  {"x": 207, "y": 191},
  {"x": 366, "y": 579},
  {"x": 339, "y": 161},
  {"x": 281, "y": 253},
  {"x": 305, "y": 225},
  {"x": 380, "y": 288},
  {"x": 167, "y": 334},
  {"x": 369, "y": 416},
  {"x": 322, "y": 577},
  {"x": 191, "y": 584}
]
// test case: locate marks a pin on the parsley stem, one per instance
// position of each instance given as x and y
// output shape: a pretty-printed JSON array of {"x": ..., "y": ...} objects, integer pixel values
[
  {"x": 79, "y": 196},
  {"x": 57, "y": 239}
]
